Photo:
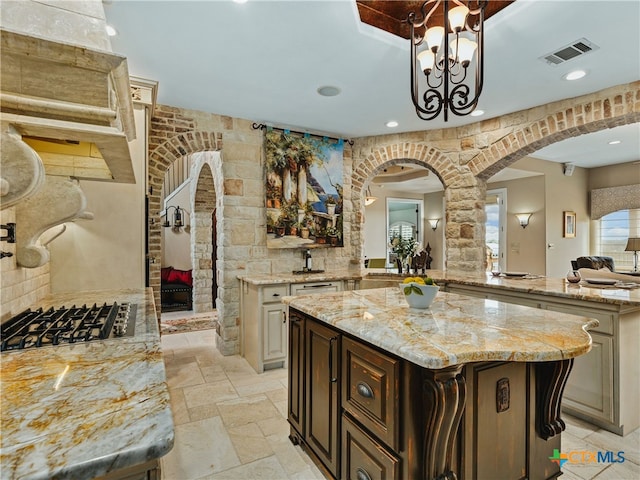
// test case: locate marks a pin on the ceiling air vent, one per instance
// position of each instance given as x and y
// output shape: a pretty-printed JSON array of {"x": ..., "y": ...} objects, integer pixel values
[{"x": 566, "y": 53}]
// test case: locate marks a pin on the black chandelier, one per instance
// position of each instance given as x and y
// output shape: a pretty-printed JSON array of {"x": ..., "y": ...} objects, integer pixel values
[{"x": 447, "y": 57}]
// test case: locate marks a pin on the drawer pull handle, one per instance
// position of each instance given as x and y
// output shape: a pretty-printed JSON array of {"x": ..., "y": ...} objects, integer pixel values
[
  {"x": 276, "y": 294},
  {"x": 361, "y": 474},
  {"x": 317, "y": 286},
  {"x": 364, "y": 390}
]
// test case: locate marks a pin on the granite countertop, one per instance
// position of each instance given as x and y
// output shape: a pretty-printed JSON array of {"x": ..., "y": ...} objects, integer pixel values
[
  {"x": 84, "y": 410},
  {"x": 271, "y": 279},
  {"x": 456, "y": 329},
  {"x": 557, "y": 287}
]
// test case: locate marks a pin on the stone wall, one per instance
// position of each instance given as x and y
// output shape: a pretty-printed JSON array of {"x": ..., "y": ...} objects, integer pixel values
[
  {"x": 463, "y": 158},
  {"x": 20, "y": 288}
]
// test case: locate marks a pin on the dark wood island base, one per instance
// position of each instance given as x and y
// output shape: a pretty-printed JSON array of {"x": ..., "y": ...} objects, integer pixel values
[{"x": 363, "y": 413}]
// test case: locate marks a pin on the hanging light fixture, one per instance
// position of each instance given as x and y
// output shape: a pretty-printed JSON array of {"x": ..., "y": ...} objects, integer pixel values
[
  {"x": 178, "y": 222},
  {"x": 369, "y": 199},
  {"x": 452, "y": 34}
]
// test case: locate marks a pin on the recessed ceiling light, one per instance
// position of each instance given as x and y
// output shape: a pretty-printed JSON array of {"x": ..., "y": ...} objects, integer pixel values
[
  {"x": 477, "y": 113},
  {"x": 239, "y": 1},
  {"x": 391, "y": 124},
  {"x": 112, "y": 32},
  {"x": 614, "y": 142},
  {"x": 328, "y": 91},
  {"x": 575, "y": 75}
]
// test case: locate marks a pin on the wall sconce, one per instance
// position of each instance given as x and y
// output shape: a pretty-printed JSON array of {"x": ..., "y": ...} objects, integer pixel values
[
  {"x": 434, "y": 223},
  {"x": 178, "y": 222},
  {"x": 523, "y": 218},
  {"x": 369, "y": 199}
]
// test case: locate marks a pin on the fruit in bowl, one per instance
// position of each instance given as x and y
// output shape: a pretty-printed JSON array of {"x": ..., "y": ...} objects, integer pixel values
[{"x": 420, "y": 292}]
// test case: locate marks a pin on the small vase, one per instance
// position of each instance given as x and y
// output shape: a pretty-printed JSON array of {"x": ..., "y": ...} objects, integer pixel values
[{"x": 573, "y": 276}]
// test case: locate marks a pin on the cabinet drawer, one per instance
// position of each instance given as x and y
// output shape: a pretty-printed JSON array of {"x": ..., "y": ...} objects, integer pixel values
[
  {"x": 274, "y": 293},
  {"x": 370, "y": 390},
  {"x": 315, "y": 287},
  {"x": 363, "y": 458}
]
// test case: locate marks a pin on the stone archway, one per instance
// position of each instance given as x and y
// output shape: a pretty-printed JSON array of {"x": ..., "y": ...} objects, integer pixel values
[
  {"x": 159, "y": 161},
  {"x": 203, "y": 202},
  {"x": 607, "y": 109},
  {"x": 476, "y": 152},
  {"x": 461, "y": 190}
]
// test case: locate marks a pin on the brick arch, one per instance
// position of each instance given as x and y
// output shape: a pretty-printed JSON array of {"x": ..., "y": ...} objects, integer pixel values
[
  {"x": 417, "y": 153},
  {"x": 607, "y": 111},
  {"x": 160, "y": 158}
]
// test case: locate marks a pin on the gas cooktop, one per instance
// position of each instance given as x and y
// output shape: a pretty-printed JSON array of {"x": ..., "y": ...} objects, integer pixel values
[{"x": 58, "y": 326}]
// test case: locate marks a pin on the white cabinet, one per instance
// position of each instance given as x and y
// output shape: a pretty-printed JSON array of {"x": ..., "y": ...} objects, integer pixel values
[
  {"x": 263, "y": 320},
  {"x": 604, "y": 384},
  {"x": 264, "y": 334}
]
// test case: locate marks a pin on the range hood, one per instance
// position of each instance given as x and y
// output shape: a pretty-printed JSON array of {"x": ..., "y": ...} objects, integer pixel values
[
  {"x": 66, "y": 114},
  {"x": 57, "y": 93}
]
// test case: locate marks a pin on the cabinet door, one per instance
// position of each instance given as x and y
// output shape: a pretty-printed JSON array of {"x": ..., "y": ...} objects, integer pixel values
[
  {"x": 590, "y": 385},
  {"x": 274, "y": 333},
  {"x": 296, "y": 371},
  {"x": 322, "y": 348}
]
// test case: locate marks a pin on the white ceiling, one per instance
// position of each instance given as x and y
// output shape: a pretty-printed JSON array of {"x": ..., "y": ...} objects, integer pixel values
[{"x": 264, "y": 60}]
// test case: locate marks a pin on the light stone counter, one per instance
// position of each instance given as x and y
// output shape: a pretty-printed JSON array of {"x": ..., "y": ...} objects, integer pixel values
[
  {"x": 455, "y": 330},
  {"x": 552, "y": 287},
  {"x": 89, "y": 409}
]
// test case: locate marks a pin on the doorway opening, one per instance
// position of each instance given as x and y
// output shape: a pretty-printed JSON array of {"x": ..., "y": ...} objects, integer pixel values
[{"x": 495, "y": 231}]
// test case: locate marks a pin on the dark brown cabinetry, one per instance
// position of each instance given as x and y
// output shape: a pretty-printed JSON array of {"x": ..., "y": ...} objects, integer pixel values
[
  {"x": 363, "y": 414},
  {"x": 314, "y": 389}
]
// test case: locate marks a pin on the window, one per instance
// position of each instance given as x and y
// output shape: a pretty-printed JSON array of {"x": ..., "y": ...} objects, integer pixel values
[
  {"x": 404, "y": 230},
  {"x": 615, "y": 228}
]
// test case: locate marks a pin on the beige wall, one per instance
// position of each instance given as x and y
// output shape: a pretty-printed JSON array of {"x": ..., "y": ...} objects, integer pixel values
[
  {"x": 434, "y": 208},
  {"x": 176, "y": 251},
  {"x": 614, "y": 175},
  {"x": 560, "y": 193},
  {"x": 108, "y": 251}
]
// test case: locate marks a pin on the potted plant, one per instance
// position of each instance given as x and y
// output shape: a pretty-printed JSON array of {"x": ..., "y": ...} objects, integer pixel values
[
  {"x": 330, "y": 203},
  {"x": 321, "y": 236},
  {"x": 303, "y": 230},
  {"x": 332, "y": 233},
  {"x": 271, "y": 224}
]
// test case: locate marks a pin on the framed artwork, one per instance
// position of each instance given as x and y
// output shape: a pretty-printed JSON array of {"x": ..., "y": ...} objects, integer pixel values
[
  {"x": 303, "y": 191},
  {"x": 569, "y": 224}
]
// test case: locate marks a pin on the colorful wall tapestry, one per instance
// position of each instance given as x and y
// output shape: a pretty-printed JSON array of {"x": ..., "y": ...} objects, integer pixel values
[{"x": 304, "y": 191}]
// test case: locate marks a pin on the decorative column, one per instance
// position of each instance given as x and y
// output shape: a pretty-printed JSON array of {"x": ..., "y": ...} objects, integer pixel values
[{"x": 444, "y": 393}]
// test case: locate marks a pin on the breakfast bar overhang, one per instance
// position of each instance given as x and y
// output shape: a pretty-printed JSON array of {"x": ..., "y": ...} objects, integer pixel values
[{"x": 380, "y": 390}]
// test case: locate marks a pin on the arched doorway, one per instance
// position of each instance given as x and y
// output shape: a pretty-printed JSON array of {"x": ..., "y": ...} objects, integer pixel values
[{"x": 202, "y": 238}]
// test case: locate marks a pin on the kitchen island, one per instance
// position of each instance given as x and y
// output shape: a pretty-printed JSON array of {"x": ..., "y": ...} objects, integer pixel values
[
  {"x": 605, "y": 384},
  {"x": 98, "y": 409},
  {"x": 379, "y": 390}
]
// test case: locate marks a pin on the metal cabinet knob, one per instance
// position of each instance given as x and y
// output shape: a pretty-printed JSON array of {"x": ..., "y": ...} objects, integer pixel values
[
  {"x": 361, "y": 474},
  {"x": 364, "y": 390}
]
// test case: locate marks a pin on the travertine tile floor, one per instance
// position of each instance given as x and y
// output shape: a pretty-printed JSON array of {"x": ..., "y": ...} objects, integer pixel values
[{"x": 231, "y": 422}]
